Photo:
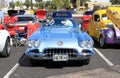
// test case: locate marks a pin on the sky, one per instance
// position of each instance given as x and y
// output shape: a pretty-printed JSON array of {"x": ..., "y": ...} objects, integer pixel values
[{"x": 91, "y": 0}]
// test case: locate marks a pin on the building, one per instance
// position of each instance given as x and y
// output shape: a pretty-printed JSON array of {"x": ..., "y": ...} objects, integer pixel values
[{"x": 95, "y": 5}]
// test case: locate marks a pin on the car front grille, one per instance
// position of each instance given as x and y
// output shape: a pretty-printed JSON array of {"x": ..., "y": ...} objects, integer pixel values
[{"x": 72, "y": 53}]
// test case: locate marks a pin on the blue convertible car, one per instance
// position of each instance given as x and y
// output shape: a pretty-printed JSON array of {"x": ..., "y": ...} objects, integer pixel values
[{"x": 57, "y": 42}]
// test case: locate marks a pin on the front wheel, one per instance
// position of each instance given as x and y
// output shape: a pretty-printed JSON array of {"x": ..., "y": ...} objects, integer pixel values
[
  {"x": 34, "y": 62},
  {"x": 102, "y": 42},
  {"x": 86, "y": 62},
  {"x": 7, "y": 49}
]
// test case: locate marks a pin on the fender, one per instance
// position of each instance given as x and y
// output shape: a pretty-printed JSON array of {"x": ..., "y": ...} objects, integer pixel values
[
  {"x": 105, "y": 32},
  {"x": 3, "y": 37}
]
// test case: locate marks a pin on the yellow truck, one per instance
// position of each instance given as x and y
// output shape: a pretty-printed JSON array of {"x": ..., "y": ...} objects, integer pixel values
[{"x": 105, "y": 26}]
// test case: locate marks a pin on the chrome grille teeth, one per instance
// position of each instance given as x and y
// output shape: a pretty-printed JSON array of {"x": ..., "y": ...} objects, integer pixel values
[{"x": 49, "y": 53}]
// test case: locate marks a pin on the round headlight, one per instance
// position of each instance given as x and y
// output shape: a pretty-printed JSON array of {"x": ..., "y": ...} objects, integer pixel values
[
  {"x": 86, "y": 44},
  {"x": 33, "y": 43},
  {"x": 30, "y": 44},
  {"x": 36, "y": 43},
  {"x": 83, "y": 44},
  {"x": 90, "y": 44}
]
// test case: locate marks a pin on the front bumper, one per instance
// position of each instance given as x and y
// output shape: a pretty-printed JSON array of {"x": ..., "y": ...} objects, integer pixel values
[{"x": 71, "y": 56}]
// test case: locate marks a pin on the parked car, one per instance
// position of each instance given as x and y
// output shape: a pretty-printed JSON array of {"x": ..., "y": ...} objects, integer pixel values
[
  {"x": 105, "y": 26},
  {"x": 89, "y": 12},
  {"x": 23, "y": 27},
  {"x": 86, "y": 18},
  {"x": 5, "y": 42},
  {"x": 12, "y": 18},
  {"x": 23, "y": 22},
  {"x": 41, "y": 14},
  {"x": 57, "y": 42}
]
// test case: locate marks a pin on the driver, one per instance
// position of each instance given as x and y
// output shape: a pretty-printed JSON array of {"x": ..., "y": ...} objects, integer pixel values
[{"x": 68, "y": 23}]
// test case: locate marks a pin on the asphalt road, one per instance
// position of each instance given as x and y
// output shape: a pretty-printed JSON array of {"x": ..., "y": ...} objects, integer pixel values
[
  {"x": 104, "y": 64},
  {"x": 18, "y": 66}
]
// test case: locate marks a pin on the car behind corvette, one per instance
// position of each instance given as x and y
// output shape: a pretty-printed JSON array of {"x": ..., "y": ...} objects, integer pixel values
[{"x": 58, "y": 43}]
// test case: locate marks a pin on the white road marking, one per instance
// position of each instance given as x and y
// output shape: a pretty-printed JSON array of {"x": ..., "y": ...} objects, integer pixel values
[
  {"x": 14, "y": 68},
  {"x": 11, "y": 71},
  {"x": 17, "y": 64},
  {"x": 104, "y": 58}
]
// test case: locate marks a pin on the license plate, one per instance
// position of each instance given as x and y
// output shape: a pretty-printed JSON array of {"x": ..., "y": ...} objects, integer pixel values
[
  {"x": 60, "y": 57},
  {"x": 21, "y": 28}
]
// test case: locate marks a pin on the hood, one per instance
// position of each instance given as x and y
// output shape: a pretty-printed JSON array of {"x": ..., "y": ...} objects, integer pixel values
[
  {"x": 64, "y": 34},
  {"x": 69, "y": 37}
]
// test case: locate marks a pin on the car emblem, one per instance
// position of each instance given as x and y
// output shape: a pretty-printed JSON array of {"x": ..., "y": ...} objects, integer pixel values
[{"x": 60, "y": 43}]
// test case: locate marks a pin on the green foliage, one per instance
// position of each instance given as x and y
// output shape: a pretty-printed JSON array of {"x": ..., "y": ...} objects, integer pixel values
[
  {"x": 39, "y": 5},
  {"x": 27, "y": 3},
  {"x": 18, "y": 3},
  {"x": 12, "y": 5},
  {"x": 115, "y": 2},
  {"x": 59, "y": 4},
  {"x": 82, "y": 2},
  {"x": 38, "y": 0}
]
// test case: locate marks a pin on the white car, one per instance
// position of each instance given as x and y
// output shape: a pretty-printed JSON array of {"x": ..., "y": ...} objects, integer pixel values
[{"x": 5, "y": 43}]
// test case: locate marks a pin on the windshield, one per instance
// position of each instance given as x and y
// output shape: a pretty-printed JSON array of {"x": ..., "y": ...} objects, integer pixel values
[
  {"x": 58, "y": 22},
  {"x": 25, "y": 19},
  {"x": 104, "y": 17},
  {"x": 88, "y": 12}
]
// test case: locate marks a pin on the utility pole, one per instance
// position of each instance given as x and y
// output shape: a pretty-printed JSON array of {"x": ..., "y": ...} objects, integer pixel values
[
  {"x": 77, "y": 4},
  {"x": 31, "y": 4}
]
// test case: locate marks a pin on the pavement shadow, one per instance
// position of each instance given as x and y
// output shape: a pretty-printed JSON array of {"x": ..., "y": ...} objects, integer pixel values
[{"x": 109, "y": 46}]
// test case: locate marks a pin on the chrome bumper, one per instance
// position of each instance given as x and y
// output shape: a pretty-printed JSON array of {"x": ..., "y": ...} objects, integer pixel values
[{"x": 41, "y": 56}]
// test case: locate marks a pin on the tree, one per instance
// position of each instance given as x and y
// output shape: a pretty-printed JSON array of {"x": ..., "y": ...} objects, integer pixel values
[
  {"x": 18, "y": 3},
  {"x": 60, "y": 4},
  {"x": 12, "y": 5},
  {"x": 82, "y": 3},
  {"x": 39, "y": 5},
  {"x": 38, "y": 0},
  {"x": 66, "y": 4},
  {"x": 27, "y": 3},
  {"x": 115, "y": 1},
  {"x": 73, "y": 3}
]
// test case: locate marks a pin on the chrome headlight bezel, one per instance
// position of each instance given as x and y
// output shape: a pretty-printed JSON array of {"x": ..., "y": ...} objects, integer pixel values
[
  {"x": 33, "y": 43},
  {"x": 86, "y": 44},
  {"x": 82, "y": 44},
  {"x": 90, "y": 44}
]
